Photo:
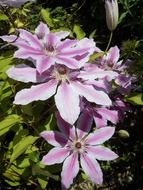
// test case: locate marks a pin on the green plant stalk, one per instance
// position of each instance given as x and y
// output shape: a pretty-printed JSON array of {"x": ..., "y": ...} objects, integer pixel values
[{"x": 109, "y": 42}]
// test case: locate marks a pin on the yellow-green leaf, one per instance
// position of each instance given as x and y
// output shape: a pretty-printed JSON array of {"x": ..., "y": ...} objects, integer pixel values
[
  {"x": 9, "y": 122},
  {"x": 78, "y": 31},
  {"x": 45, "y": 13},
  {"x": 22, "y": 146},
  {"x": 135, "y": 98}
]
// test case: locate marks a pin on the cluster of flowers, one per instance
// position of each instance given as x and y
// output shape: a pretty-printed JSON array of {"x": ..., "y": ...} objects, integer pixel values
[{"x": 60, "y": 68}]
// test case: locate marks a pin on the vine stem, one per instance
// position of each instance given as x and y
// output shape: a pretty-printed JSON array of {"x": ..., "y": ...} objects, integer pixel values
[{"x": 109, "y": 42}]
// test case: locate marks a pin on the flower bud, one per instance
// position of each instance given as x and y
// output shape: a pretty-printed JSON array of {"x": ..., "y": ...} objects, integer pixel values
[
  {"x": 123, "y": 134},
  {"x": 112, "y": 14}
]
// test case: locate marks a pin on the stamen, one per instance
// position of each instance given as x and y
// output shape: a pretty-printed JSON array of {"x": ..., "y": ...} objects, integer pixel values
[
  {"x": 50, "y": 48},
  {"x": 62, "y": 70},
  {"x": 78, "y": 145}
]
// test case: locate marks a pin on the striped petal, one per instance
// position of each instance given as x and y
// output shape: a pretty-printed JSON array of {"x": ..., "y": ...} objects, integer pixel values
[
  {"x": 100, "y": 136},
  {"x": 22, "y": 73},
  {"x": 67, "y": 102},
  {"x": 54, "y": 138},
  {"x": 91, "y": 94},
  {"x": 91, "y": 168},
  {"x": 101, "y": 153},
  {"x": 38, "y": 92},
  {"x": 55, "y": 156},
  {"x": 70, "y": 170}
]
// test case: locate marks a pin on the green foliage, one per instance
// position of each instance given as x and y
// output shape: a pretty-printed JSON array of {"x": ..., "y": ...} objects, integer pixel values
[
  {"x": 7, "y": 123},
  {"x": 135, "y": 98}
]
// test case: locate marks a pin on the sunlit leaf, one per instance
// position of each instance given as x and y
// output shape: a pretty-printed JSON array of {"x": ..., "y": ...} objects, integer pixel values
[
  {"x": 78, "y": 31},
  {"x": 135, "y": 98},
  {"x": 9, "y": 122},
  {"x": 21, "y": 146},
  {"x": 45, "y": 13}
]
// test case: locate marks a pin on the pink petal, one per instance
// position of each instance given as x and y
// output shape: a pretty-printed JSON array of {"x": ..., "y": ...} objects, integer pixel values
[
  {"x": 88, "y": 43},
  {"x": 109, "y": 115},
  {"x": 84, "y": 124},
  {"x": 91, "y": 94},
  {"x": 26, "y": 53},
  {"x": 101, "y": 153},
  {"x": 91, "y": 168},
  {"x": 70, "y": 170},
  {"x": 38, "y": 92},
  {"x": 97, "y": 74},
  {"x": 66, "y": 44},
  {"x": 67, "y": 129},
  {"x": 30, "y": 38},
  {"x": 67, "y": 61},
  {"x": 62, "y": 35},
  {"x": 113, "y": 54},
  {"x": 100, "y": 135},
  {"x": 55, "y": 156},
  {"x": 54, "y": 138},
  {"x": 9, "y": 38},
  {"x": 74, "y": 51},
  {"x": 43, "y": 63},
  {"x": 67, "y": 102},
  {"x": 22, "y": 73},
  {"x": 42, "y": 30},
  {"x": 99, "y": 121},
  {"x": 51, "y": 39}
]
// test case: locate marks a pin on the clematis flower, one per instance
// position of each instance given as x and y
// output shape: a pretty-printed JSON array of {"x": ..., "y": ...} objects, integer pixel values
[
  {"x": 48, "y": 48},
  {"x": 74, "y": 146},
  {"x": 64, "y": 83},
  {"x": 14, "y": 3},
  {"x": 100, "y": 114},
  {"x": 110, "y": 62}
]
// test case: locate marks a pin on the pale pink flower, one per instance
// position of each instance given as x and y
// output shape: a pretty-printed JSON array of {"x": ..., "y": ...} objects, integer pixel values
[
  {"x": 110, "y": 62},
  {"x": 66, "y": 84},
  {"x": 74, "y": 146},
  {"x": 48, "y": 48}
]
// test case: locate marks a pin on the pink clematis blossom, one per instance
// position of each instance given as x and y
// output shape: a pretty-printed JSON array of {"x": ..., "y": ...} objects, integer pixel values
[
  {"x": 48, "y": 48},
  {"x": 78, "y": 145},
  {"x": 66, "y": 84},
  {"x": 110, "y": 61}
]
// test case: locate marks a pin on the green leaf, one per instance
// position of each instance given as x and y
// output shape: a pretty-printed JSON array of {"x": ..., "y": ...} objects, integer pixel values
[
  {"x": 27, "y": 109},
  {"x": 5, "y": 63},
  {"x": 21, "y": 146},
  {"x": 78, "y": 31},
  {"x": 94, "y": 56},
  {"x": 36, "y": 170},
  {"x": 3, "y": 16},
  {"x": 43, "y": 183},
  {"x": 45, "y": 13},
  {"x": 23, "y": 163},
  {"x": 9, "y": 122},
  {"x": 135, "y": 98},
  {"x": 5, "y": 90}
]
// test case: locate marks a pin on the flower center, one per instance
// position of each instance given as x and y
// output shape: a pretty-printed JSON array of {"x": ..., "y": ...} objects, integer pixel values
[
  {"x": 50, "y": 48},
  {"x": 62, "y": 70},
  {"x": 78, "y": 145}
]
